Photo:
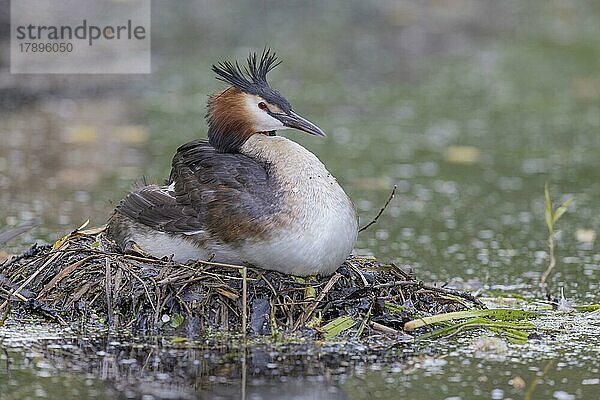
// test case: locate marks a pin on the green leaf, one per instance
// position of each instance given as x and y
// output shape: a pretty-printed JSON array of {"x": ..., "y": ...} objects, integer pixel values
[
  {"x": 502, "y": 314},
  {"x": 512, "y": 335},
  {"x": 562, "y": 209},
  {"x": 337, "y": 326},
  {"x": 512, "y": 331},
  {"x": 549, "y": 214},
  {"x": 394, "y": 308},
  {"x": 310, "y": 293},
  {"x": 587, "y": 307},
  {"x": 176, "y": 320},
  {"x": 448, "y": 330}
]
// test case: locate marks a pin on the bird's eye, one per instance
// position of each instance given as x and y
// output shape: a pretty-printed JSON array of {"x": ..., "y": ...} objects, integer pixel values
[{"x": 262, "y": 105}]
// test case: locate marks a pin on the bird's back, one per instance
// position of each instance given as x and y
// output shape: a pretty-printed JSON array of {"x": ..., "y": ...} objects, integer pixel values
[{"x": 211, "y": 195}]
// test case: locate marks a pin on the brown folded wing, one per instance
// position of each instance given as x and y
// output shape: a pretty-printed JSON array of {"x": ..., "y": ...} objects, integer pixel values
[{"x": 225, "y": 194}]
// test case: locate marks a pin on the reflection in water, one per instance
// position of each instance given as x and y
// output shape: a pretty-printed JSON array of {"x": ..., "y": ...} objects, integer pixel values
[
  {"x": 166, "y": 369},
  {"x": 104, "y": 366}
]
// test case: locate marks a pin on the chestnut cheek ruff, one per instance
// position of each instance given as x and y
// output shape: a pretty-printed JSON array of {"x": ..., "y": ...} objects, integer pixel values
[{"x": 229, "y": 124}]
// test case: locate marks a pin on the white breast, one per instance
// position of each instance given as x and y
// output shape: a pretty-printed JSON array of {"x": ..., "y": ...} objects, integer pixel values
[{"x": 318, "y": 223}]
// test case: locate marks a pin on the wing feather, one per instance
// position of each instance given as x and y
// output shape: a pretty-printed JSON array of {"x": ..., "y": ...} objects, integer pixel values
[
  {"x": 153, "y": 206},
  {"x": 206, "y": 179},
  {"x": 224, "y": 193}
]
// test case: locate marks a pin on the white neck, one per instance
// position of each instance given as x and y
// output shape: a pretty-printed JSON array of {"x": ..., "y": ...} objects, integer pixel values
[{"x": 289, "y": 163}]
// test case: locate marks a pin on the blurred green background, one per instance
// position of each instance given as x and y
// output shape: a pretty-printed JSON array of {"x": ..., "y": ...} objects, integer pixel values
[{"x": 469, "y": 107}]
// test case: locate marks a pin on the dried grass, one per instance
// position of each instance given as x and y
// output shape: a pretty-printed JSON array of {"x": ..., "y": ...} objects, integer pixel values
[{"x": 84, "y": 279}]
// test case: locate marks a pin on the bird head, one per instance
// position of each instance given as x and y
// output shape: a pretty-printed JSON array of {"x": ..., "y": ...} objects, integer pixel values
[{"x": 250, "y": 106}]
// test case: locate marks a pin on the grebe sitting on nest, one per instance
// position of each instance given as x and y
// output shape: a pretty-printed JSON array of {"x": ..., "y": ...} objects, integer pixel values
[{"x": 245, "y": 195}]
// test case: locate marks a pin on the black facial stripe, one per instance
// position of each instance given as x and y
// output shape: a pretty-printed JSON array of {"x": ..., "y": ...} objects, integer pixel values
[{"x": 273, "y": 97}]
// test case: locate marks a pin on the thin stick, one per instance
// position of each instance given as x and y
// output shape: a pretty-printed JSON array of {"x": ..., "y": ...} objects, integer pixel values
[
  {"x": 107, "y": 281},
  {"x": 62, "y": 274},
  {"x": 216, "y": 264},
  {"x": 270, "y": 285},
  {"x": 552, "y": 264},
  {"x": 156, "y": 260},
  {"x": 244, "y": 301},
  {"x": 453, "y": 292},
  {"x": 380, "y": 211},
  {"x": 143, "y": 285},
  {"x": 10, "y": 286},
  {"x": 336, "y": 277},
  {"x": 32, "y": 277},
  {"x": 359, "y": 273},
  {"x": 384, "y": 328},
  {"x": 127, "y": 268}
]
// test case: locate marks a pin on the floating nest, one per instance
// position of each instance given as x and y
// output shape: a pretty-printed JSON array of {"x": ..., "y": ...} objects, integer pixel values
[{"x": 83, "y": 279}]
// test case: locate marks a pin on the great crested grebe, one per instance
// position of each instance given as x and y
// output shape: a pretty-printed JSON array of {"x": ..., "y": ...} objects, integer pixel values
[{"x": 245, "y": 195}]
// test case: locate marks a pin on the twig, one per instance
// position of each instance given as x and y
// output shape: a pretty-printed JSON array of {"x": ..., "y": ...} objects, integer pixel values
[
  {"x": 453, "y": 292},
  {"x": 32, "y": 277},
  {"x": 20, "y": 296},
  {"x": 216, "y": 264},
  {"x": 244, "y": 301},
  {"x": 221, "y": 277},
  {"x": 405, "y": 275},
  {"x": 385, "y": 329},
  {"x": 109, "y": 307},
  {"x": 183, "y": 304},
  {"x": 32, "y": 252},
  {"x": 159, "y": 261},
  {"x": 269, "y": 284},
  {"x": 398, "y": 283},
  {"x": 312, "y": 309},
  {"x": 143, "y": 285},
  {"x": 359, "y": 273},
  {"x": 62, "y": 274},
  {"x": 380, "y": 211}
]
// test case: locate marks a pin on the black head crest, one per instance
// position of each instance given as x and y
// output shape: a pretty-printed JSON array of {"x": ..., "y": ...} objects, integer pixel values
[
  {"x": 253, "y": 77},
  {"x": 253, "y": 74}
]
